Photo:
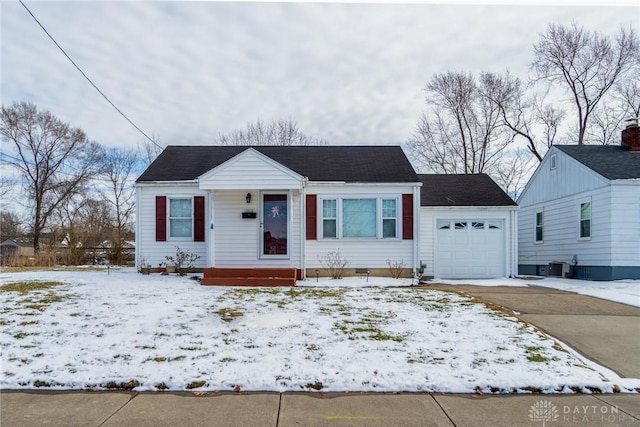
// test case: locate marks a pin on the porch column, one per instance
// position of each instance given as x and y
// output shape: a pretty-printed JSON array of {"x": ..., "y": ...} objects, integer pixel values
[{"x": 211, "y": 231}]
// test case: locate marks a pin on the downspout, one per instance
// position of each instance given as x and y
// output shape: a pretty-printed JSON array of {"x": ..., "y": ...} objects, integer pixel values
[
  {"x": 303, "y": 228},
  {"x": 137, "y": 239},
  {"x": 514, "y": 243},
  {"x": 416, "y": 230}
]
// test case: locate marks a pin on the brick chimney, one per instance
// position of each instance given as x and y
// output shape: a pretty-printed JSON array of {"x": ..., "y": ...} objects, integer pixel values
[{"x": 631, "y": 137}]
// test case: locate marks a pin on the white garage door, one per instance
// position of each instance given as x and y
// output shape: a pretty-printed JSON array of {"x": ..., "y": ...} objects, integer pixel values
[{"x": 468, "y": 249}]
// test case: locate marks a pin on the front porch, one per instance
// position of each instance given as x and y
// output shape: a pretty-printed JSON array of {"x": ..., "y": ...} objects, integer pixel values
[{"x": 251, "y": 276}]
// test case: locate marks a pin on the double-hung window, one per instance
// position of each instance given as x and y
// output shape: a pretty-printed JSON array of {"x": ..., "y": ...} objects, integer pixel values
[
  {"x": 539, "y": 226},
  {"x": 585, "y": 220},
  {"x": 389, "y": 218},
  {"x": 329, "y": 218},
  {"x": 359, "y": 218},
  {"x": 180, "y": 217}
]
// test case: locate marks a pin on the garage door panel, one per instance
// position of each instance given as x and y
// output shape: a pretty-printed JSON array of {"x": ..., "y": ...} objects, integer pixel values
[{"x": 469, "y": 248}]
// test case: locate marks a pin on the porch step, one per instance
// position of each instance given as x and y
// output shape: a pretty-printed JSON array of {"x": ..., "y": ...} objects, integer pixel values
[{"x": 249, "y": 277}]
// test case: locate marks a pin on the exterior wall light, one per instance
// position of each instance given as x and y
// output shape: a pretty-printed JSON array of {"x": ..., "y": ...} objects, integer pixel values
[{"x": 248, "y": 198}]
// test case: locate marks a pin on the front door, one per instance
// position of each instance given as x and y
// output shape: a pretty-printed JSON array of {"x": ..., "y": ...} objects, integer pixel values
[{"x": 275, "y": 226}]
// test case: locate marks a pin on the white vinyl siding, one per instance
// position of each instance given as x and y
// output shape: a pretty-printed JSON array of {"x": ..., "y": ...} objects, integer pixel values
[
  {"x": 569, "y": 177},
  {"x": 146, "y": 245},
  {"x": 561, "y": 231},
  {"x": 250, "y": 170},
  {"x": 625, "y": 224},
  {"x": 237, "y": 239},
  {"x": 361, "y": 252}
]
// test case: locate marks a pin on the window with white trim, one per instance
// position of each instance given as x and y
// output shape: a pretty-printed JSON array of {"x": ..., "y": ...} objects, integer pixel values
[
  {"x": 553, "y": 161},
  {"x": 539, "y": 233},
  {"x": 329, "y": 218},
  {"x": 180, "y": 217},
  {"x": 389, "y": 218},
  {"x": 359, "y": 218},
  {"x": 585, "y": 220}
]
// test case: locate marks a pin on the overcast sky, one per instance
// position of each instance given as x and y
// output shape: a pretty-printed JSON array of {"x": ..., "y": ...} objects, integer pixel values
[{"x": 188, "y": 71}]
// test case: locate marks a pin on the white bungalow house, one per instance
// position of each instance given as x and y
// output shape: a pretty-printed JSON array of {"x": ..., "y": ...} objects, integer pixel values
[
  {"x": 468, "y": 227},
  {"x": 580, "y": 212},
  {"x": 272, "y": 207},
  {"x": 246, "y": 209}
]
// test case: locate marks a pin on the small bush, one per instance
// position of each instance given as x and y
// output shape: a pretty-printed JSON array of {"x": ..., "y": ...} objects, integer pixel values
[
  {"x": 183, "y": 260},
  {"x": 396, "y": 268},
  {"x": 334, "y": 263}
]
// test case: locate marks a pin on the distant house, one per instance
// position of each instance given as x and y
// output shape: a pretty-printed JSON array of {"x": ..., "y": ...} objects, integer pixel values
[
  {"x": 467, "y": 227},
  {"x": 580, "y": 212},
  {"x": 17, "y": 247},
  {"x": 280, "y": 207}
]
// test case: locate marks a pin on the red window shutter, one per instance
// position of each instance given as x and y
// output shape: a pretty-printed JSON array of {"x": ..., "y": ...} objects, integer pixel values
[
  {"x": 198, "y": 219},
  {"x": 312, "y": 216},
  {"x": 407, "y": 216},
  {"x": 161, "y": 218}
]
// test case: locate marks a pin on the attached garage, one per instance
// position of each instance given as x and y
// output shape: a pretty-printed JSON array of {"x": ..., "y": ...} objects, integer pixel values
[{"x": 467, "y": 228}]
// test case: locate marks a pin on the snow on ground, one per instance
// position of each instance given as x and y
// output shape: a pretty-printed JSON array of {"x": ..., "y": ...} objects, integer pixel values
[
  {"x": 624, "y": 291},
  {"x": 166, "y": 332}
]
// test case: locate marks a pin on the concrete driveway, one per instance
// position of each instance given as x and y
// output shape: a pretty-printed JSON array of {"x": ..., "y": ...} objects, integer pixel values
[{"x": 606, "y": 332}]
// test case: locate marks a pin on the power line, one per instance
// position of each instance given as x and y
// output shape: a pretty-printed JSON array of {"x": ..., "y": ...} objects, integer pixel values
[{"x": 85, "y": 76}]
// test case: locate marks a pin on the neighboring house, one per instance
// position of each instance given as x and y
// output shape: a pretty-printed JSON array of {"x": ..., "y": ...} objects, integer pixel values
[
  {"x": 280, "y": 207},
  {"x": 467, "y": 227},
  {"x": 580, "y": 212},
  {"x": 17, "y": 247}
]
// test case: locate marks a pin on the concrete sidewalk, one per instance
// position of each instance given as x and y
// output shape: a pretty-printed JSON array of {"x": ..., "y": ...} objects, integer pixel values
[
  {"x": 603, "y": 331},
  {"x": 314, "y": 409}
]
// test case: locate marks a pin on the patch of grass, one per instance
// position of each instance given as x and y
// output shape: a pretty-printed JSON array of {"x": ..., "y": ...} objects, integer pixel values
[
  {"x": 317, "y": 385},
  {"x": 195, "y": 384},
  {"x": 21, "y": 335},
  {"x": 537, "y": 357},
  {"x": 228, "y": 314},
  {"x": 127, "y": 385},
  {"x": 28, "y": 286},
  {"x": 227, "y": 360},
  {"x": 30, "y": 322},
  {"x": 161, "y": 386},
  {"x": 313, "y": 347}
]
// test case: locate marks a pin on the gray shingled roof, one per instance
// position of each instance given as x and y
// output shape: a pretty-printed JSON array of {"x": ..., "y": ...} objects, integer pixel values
[
  {"x": 610, "y": 161},
  {"x": 318, "y": 163},
  {"x": 462, "y": 190}
]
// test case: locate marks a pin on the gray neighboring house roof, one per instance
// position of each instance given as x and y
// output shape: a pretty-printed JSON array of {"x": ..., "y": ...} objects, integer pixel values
[
  {"x": 23, "y": 242},
  {"x": 610, "y": 161},
  {"x": 462, "y": 190},
  {"x": 317, "y": 163}
]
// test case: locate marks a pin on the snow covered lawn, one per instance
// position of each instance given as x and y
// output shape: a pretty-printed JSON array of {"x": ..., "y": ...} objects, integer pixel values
[{"x": 87, "y": 329}]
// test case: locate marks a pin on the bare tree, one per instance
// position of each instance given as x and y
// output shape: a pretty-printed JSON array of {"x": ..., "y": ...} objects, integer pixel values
[
  {"x": 587, "y": 64},
  {"x": 10, "y": 225},
  {"x": 277, "y": 132},
  {"x": 528, "y": 117},
  {"x": 149, "y": 151},
  {"x": 462, "y": 130},
  {"x": 119, "y": 168},
  {"x": 55, "y": 160},
  {"x": 83, "y": 224},
  {"x": 513, "y": 171}
]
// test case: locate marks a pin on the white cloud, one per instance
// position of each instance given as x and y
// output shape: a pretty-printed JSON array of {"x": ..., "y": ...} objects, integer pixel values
[{"x": 348, "y": 73}]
